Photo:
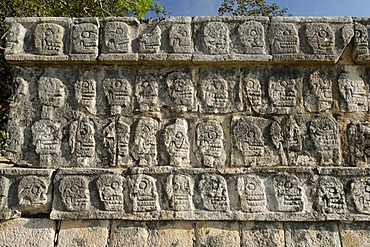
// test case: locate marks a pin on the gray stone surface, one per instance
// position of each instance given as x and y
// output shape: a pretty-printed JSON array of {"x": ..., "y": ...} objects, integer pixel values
[
  {"x": 354, "y": 234},
  {"x": 262, "y": 234},
  {"x": 217, "y": 234}
]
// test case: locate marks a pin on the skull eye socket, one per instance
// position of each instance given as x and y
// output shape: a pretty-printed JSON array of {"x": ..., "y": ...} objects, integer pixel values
[
  {"x": 143, "y": 185},
  {"x": 48, "y": 32},
  {"x": 323, "y": 34},
  {"x": 286, "y": 32},
  {"x": 115, "y": 185},
  {"x": 332, "y": 190},
  {"x": 86, "y": 34},
  {"x": 251, "y": 186},
  {"x": 253, "y": 33},
  {"x": 11, "y": 34},
  {"x": 35, "y": 190},
  {"x": 119, "y": 31},
  {"x": 214, "y": 184},
  {"x": 212, "y": 135},
  {"x": 367, "y": 188},
  {"x": 288, "y": 185}
]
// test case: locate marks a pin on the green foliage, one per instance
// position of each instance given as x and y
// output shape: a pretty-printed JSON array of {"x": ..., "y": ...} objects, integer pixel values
[
  {"x": 59, "y": 8},
  {"x": 250, "y": 8}
]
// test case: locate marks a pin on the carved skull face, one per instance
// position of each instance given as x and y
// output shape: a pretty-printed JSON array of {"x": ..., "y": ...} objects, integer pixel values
[
  {"x": 254, "y": 92},
  {"x": 85, "y": 38},
  {"x": 276, "y": 135},
  {"x": 75, "y": 193},
  {"x": 294, "y": 135},
  {"x": 123, "y": 136},
  {"x": 353, "y": 91},
  {"x": 216, "y": 92},
  {"x": 361, "y": 39},
  {"x": 216, "y": 38},
  {"x": 248, "y": 138},
  {"x": 117, "y": 37},
  {"x": 322, "y": 88},
  {"x": 176, "y": 141},
  {"x": 32, "y": 191},
  {"x": 51, "y": 92},
  {"x": 147, "y": 94},
  {"x": 252, "y": 37},
  {"x": 88, "y": 91},
  {"x": 180, "y": 189},
  {"x": 118, "y": 92},
  {"x": 145, "y": 149},
  {"x": 180, "y": 38},
  {"x": 46, "y": 137},
  {"x": 285, "y": 38},
  {"x": 85, "y": 139},
  {"x": 361, "y": 194},
  {"x": 213, "y": 189},
  {"x": 288, "y": 193},
  {"x": 49, "y": 39},
  {"x": 110, "y": 191},
  {"x": 4, "y": 190},
  {"x": 252, "y": 191},
  {"x": 210, "y": 138},
  {"x": 320, "y": 38},
  {"x": 15, "y": 39},
  {"x": 181, "y": 89},
  {"x": 150, "y": 42},
  {"x": 144, "y": 194},
  {"x": 331, "y": 195},
  {"x": 282, "y": 92},
  {"x": 323, "y": 133}
]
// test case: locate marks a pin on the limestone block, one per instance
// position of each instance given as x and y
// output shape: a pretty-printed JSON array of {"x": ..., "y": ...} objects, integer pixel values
[
  {"x": 357, "y": 143},
  {"x": 230, "y": 39},
  {"x": 309, "y": 38},
  {"x": 38, "y": 39},
  {"x": 119, "y": 39},
  {"x": 355, "y": 234},
  {"x": 171, "y": 234},
  {"x": 128, "y": 233},
  {"x": 84, "y": 39},
  {"x": 361, "y": 38},
  {"x": 27, "y": 232},
  {"x": 262, "y": 234},
  {"x": 83, "y": 233},
  {"x": 312, "y": 234},
  {"x": 218, "y": 234}
]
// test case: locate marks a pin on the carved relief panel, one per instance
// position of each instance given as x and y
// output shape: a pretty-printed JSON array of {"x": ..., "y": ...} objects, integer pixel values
[
  {"x": 180, "y": 38},
  {"x": 85, "y": 39},
  {"x": 15, "y": 39},
  {"x": 330, "y": 196},
  {"x": 358, "y": 141},
  {"x": 110, "y": 189},
  {"x": 284, "y": 38},
  {"x": 361, "y": 39},
  {"x": 49, "y": 39},
  {"x": 117, "y": 37},
  {"x": 319, "y": 93},
  {"x": 216, "y": 38},
  {"x": 181, "y": 91},
  {"x": 284, "y": 95},
  {"x": 85, "y": 92},
  {"x": 320, "y": 38},
  {"x": 252, "y": 194},
  {"x": 32, "y": 192},
  {"x": 180, "y": 191},
  {"x": 214, "y": 193},
  {"x": 144, "y": 194},
  {"x": 288, "y": 193},
  {"x": 4, "y": 190},
  {"x": 360, "y": 192},
  {"x": 252, "y": 37},
  {"x": 147, "y": 92},
  {"x": 353, "y": 92},
  {"x": 75, "y": 195},
  {"x": 51, "y": 94},
  {"x": 119, "y": 94},
  {"x": 150, "y": 41}
]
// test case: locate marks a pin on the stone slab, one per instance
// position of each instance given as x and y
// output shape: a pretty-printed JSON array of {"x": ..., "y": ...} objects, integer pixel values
[
  {"x": 219, "y": 234},
  {"x": 262, "y": 234},
  {"x": 355, "y": 234}
]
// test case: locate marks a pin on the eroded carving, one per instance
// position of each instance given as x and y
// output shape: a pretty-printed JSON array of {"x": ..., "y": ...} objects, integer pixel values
[
  {"x": 49, "y": 39},
  {"x": 215, "y": 93},
  {"x": 287, "y": 193},
  {"x": 180, "y": 89},
  {"x": 117, "y": 37},
  {"x": 181, "y": 38},
  {"x": 358, "y": 140},
  {"x": 320, "y": 38},
  {"x": 82, "y": 140},
  {"x": 353, "y": 92},
  {"x": 116, "y": 139},
  {"x": 150, "y": 42},
  {"x": 214, "y": 193},
  {"x": 253, "y": 91},
  {"x": 85, "y": 38},
  {"x": 216, "y": 38},
  {"x": 4, "y": 191},
  {"x": 15, "y": 39},
  {"x": 252, "y": 37},
  {"x": 320, "y": 93},
  {"x": 86, "y": 94},
  {"x": 360, "y": 192},
  {"x": 32, "y": 192},
  {"x": 144, "y": 147},
  {"x": 283, "y": 95},
  {"x": 361, "y": 39},
  {"x": 144, "y": 194},
  {"x": 284, "y": 38},
  {"x": 277, "y": 139},
  {"x": 75, "y": 193},
  {"x": 252, "y": 194},
  {"x": 146, "y": 92},
  {"x": 210, "y": 142},
  {"x": 51, "y": 92},
  {"x": 111, "y": 191},
  {"x": 330, "y": 196},
  {"x": 118, "y": 92},
  {"x": 176, "y": 142},
  {"x": 180, "y": 191}
]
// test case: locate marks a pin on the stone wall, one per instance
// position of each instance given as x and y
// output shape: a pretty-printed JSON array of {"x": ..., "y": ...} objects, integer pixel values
[{"x": 205, "y": 131}]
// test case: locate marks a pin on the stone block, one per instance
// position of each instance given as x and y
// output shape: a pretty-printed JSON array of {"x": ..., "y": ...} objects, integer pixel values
[
  {"x": 361, "y": 40},
  {"x": 126, "y": 233},
  {"x": 83, "y": 233},
  {"x": 175, "y": 233},
  {"x": 84, "y": 39},
  {"x": 354, "y": 234},
  {"x": 262, "y": 234},
  {"x": 218, "y": 234},
  {"x": 27, "y": 232}
]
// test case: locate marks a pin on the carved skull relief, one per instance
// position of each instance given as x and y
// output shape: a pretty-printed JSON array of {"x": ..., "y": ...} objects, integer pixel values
[
  {"x": 360, "y": 191},
  {"x": 86, "y": 94},
  {"x": 49, "y": 39},
  {"x": 252, "y": 193},
  {"x": 51, "y": 92},
  {"x": 181, "y": 90},
  {"x": 253, "y": 93},
  {"x": 150, "y": 42},
  {"x": 180, "y": 190},
  {"x": 288, "y": 193},
  {"x": 284, "y": 38},
  {"x": 32, "y": 192},
  {"x": 216, "y": 38},
  {"x": 330, "y": 195},
  {"x": 215, "y": 93},
  {"x": 180, "y": 37},
  {"x": 353, "y": 91},
  {"x": 252, "y": 37},
  {"x": 85, "y": 38},
  {"x": 361, "y": 39},
  {"x": 15, "y": 39},
  {"x": 117, "y": 37},
  {"x": 320, "y": 38},
  {"x": 111, "y": 191},
  {"x": 248, "y": 138},
  {"x": 119, "y": 93},
  {"x": 46, "y": 137},
  {"x": 214, "y": 193},
  {"x": 75, "y": 193},
  {"x": 82, "y": 139},
  {"x": 146, "y": 93},
  {"x": 144, "y": 194}
]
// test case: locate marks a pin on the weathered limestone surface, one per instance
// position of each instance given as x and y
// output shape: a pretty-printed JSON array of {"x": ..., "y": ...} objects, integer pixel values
[{"x": 204, "y": 131}]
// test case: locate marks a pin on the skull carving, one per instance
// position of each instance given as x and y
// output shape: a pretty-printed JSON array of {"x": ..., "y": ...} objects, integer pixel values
[
  {"x": 144, "y": 194},
  {"x": 213, "y": 192},
  {"x": 146, "y": 93},
  {"x": 320, "y": 38},
  {"x": 252, "y": 194},
  {"x": 110, "y": 191},
  {"x": 216, "y": 38},
  {"x": 117, "y": 37},
  {"x": 15, "y": 39},
  {"x": 49, "y": 39},
  {"x": 150, "y": 42},
  {"x": 75, "y": 193},
  {"x": 353, "y": 91},
  {"x": 51, "y": 92},
  {"x": 361, "y": 39},
  {"x": 215, "y": 93},
  {"x": 321, "y": 88},
  {"x": 288, "y": 193},
  {"x": 118, "y": 92},
  {"x": 85, "y": 38},
  {"x": 360, "y": 189},
  {"x": 210, "y": 141},
  {"x": 86, "y": 94},
  {"x": 82, "y": 140},
  {"x": 282, "y": 93},
  {"x": 32, "y": 192},
  {"x": 252, "y": 37},
  {"x": 180, "y": 190},
  {"x": 284, "y": 38},
  {"x": 254, "y": 93},
  {"x": 180, "y": 88},
  {"x": 46, "y": 137},
  {"x": 330, "y": 196},
  {"x": 180, "y": 38}
]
